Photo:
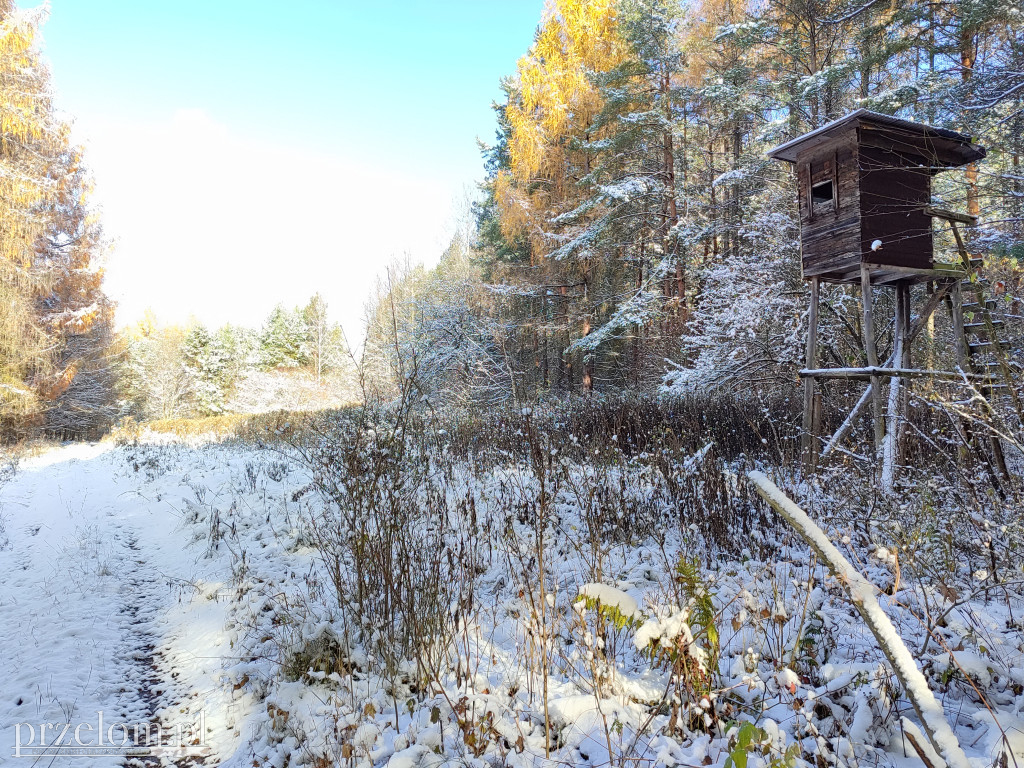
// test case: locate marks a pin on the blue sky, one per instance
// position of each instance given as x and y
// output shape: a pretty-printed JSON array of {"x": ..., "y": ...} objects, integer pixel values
[{"x": 254, "y": 152}]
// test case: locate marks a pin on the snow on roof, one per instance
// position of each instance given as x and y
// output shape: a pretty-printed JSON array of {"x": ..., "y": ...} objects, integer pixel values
[{"x": 962, "y": 149}]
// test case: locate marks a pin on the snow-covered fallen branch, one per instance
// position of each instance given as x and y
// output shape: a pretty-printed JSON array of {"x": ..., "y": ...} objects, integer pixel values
[{"x": 862, "y": 594}]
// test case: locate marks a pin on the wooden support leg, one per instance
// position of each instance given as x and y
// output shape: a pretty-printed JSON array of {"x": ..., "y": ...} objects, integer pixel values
[
  {"x": 907, "y": 362},
  {"x": 930, "y": 330},
  {"x": 809, "y": 447},
  {"x": 925, "y": 318},
  {"x": 815, "y": 430},
  {"x": 872, "y": 354},
  {"x": 896, "y": 413},
  {"x": 957, "y": 316}
]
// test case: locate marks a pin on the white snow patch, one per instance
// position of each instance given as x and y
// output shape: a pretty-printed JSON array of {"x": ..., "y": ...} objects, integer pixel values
[{"x": 611, "y": 597}]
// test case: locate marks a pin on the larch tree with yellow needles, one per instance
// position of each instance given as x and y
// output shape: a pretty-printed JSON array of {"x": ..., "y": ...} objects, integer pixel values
[
  {"x": 50, "y": 285},
  {"x": 72, "y": 307},
  {"x": 27, "y": 135},
  {"x": 550, "y": 113},
  {"x": 634, "y": 194}
]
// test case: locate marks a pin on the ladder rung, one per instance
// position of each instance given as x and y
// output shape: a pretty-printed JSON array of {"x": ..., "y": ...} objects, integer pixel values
[
  {"x": 978, "y": 346},
  {"x": 990, "y": 305},
  {"x": 958, "y": 264},
  {"x": 981, "y": 327}
]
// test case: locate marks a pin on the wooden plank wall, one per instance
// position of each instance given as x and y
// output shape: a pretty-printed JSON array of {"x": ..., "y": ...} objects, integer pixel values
[
  {"x": 894, "y": 190},
  {"x": 830, "y": 232}
]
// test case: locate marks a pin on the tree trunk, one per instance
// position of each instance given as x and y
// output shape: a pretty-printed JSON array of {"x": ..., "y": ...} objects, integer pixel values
[{"x": 968, "y": 55}]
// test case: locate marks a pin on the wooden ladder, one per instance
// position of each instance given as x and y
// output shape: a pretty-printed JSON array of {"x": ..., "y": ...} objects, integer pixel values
[{"x": 980, "y": 351}]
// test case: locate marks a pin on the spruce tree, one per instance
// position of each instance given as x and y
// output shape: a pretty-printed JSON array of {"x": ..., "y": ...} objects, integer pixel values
[
  {"x": 284, "y": 339},
  {"x": 206, "y": 362}
]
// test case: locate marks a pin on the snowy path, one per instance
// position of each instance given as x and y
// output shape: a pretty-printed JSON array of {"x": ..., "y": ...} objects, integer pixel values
[{"x": 108, "y": 605}]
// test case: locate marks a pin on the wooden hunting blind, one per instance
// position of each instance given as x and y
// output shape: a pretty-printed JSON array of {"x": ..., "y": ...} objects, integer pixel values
[
  {"x": 866, "y": 219},
  {"x": 865, "y": 189}
]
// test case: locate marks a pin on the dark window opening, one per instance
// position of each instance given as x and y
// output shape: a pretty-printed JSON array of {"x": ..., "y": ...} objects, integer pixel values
[{"x": 822, "y": 193}]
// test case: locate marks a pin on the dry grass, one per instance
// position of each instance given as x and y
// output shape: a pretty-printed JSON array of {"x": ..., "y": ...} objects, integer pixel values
[{"x": 256, "y": 429}]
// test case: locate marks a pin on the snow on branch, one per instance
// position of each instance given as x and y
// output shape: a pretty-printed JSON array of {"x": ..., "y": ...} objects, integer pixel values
[{"x": 862, "y": 594}]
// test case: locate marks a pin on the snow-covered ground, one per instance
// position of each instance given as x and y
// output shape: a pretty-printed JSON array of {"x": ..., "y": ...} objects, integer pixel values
[
  {"x": 295, "y": 390},
  {"x": 110, "y": 604},
  {"x": 179, "y": 585}
]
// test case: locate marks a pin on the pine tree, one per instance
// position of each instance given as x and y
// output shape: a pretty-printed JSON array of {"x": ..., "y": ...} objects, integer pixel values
[
  {"x": 628, "y": 226},
  {"x": 550, "y": 110}
]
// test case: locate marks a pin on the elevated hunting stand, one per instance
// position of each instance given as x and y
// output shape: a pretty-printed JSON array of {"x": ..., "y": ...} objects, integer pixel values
[{"x": 866, "y": 220}]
